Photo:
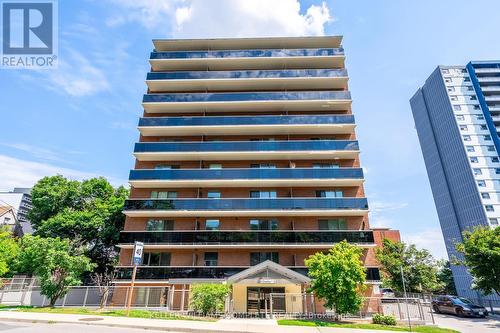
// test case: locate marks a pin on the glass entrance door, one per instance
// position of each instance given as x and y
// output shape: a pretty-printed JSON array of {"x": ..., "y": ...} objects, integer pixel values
[{"x": 258, "y": 300}]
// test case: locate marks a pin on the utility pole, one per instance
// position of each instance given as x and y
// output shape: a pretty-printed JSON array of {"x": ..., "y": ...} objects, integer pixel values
[{"x": 406, "y": 298}]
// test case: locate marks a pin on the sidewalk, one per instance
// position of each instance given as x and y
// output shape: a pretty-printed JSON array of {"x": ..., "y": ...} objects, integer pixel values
[{"x": 222, "y": 326}]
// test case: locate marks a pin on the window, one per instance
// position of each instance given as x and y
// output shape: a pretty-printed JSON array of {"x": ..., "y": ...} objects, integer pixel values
[
  {"x": 489, "y": 208},
  {"x": 211, "y": 258},
  {"x": 332, "y": 224},
  {"x": 491, "y": 148},
  {"x": 256, "y": 224},
  {"x": 454, "y": 98},
  {"x": 483, "y": 127},
  {"x": 324, "y": 165},
  {"x": 467, "y": 79},
  {"x": 463, "y": 127},
  {"x": 476, "y": 107},
  {"x": 466, "y": 137},
  {"x": 493, "y": 221},
  {"x": 487, "y": 137},
  {"x": 215, "y": 166},
  {"x": 445, "y": 71},
  {"x": 213, "y": 194},
  {"x": 451, "y": 89},
  {"x": 258, "y": 257},
  {"x": 159, "y": 225},
  {"x": 478, "y": 117},
  {"x": 263, "y": 166},
  {"x": 447, "y": 80},
  {"x": 457, "y": 108},
  {"x": 470, "y": 148},
  {"x": 497, "y": 171},
  {"x": 473, "y": 98},
  {"x": 477, "y": 172},
  {"x": 485, "y": 195},
  {"x": 469, "y": 88},
  {"x": 473, "y": 159},
  {"x": 263, "y": 194},
  {"x": 460, "y": 117},
  {"x": 329, "y": 194},
  {"x": 481, "y": 183},
  {"x": 156, "y": 259},
  {"x": 163, "y": 195},
  {"x": 212, "y": 225},
  {"x": 166, "y": 166},
  {"x": 495, "y": 160}
]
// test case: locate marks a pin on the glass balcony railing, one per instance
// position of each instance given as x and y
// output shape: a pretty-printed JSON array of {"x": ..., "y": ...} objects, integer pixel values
[
  {"x": 246, "y": 96},
  {"x": 250, "y": 146},
  {"x": 197, "y": 272},
  {"x": 323, "y": 52},
  {"x": 246, "y": 120},
  {"x": 249, "y": 74},
  {"x": 248, "y": 204},
  {"x": 250, "y": 173},
  {"x": 199, "y": 237}
]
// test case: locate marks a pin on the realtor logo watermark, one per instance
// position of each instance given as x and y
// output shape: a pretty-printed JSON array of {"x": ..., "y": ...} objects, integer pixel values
[{"x": 29, "y": 34}]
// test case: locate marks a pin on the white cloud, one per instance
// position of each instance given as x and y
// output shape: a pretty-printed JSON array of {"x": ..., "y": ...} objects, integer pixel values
[
  {"x": 224, "y": 18},
  {"x": 379, "y": 210},
  {"x": 37, "y": 152},
  {"x": 430, "y": 239}
]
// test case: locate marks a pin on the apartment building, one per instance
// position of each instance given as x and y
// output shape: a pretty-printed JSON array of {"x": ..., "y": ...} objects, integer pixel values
[
  {"x": 457, "y": 117},
  {"x": 20, "y": 201},
  {"x": 247, "y": 164}
]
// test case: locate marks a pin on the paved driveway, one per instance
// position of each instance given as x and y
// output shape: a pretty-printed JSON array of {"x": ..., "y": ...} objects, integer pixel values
[{"x": 469, "y": 325}]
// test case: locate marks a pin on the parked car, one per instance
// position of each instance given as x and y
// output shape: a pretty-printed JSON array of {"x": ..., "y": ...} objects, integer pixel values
[
  {"x": 387, "y": 293},
  {"x": 459, "y": 306}
]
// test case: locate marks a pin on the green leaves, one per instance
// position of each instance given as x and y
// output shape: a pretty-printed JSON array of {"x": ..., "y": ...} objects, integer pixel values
[
  {"x": 8, "y": 251},
  {"x": 208, "y": 297},
  {"x": 481, "y": 251},
  {"x": 419, "y": 267},
  {"x": 338, "y": 277}
]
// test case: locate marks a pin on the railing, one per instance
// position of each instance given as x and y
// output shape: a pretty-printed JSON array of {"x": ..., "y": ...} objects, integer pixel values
[
  {"x": 250, "y": 146},
  {"x": 247, "y": 237},
  {"x": 248, "y": 74},
  {"x": 246, "y": 120},
  {"x": 248, "y": 204},
  {"x": 248, "y": 53},
  {"x": 250, "y": 173},
  {"x": 246, "y": 96}
]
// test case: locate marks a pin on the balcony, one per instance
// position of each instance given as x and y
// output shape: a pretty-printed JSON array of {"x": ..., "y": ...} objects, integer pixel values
[
  {"x": 241, "y": 125},
  {"x": 244, "y": 239},
  {"x": 494, "y": 98},
  {"x": 274, "y": 58},
  {"x": 175, "y": 178},
  {"x": 291, "y": 79},
  {"x": 489, "y": 79},
  {"x": 202, "y": 272},
  {"x": 246, "y": 207},
  {"x": 245, "y": 150},
  {"x": 247, "y": 101}
]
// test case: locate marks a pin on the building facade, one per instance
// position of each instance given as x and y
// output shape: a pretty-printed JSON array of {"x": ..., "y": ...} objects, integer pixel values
[
  {"x": 20, "y": 200},
  {"x": 456, "y": 114},
  {"x": 247, "y": 163}
]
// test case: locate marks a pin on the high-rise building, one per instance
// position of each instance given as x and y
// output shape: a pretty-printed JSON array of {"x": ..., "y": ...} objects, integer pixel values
[
  {"x": 20, "y": 200},
  {"x": 456, "y": 114},
  {"x": 247, "y": 164}
]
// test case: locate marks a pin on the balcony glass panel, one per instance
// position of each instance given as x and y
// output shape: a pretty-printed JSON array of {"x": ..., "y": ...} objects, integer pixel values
[
  {"x": 246, "y": 96},
  {"x": 247, "y": 237},
  {"x": 222, "y": 146},
  {"x": 251, "y": 173},
  {"x": 249, "y": 74},
  {"x": 246, "y": 120},
  {"x": 248, "y": 53},
  {"x": 248, "y": 204},
  {"x": 163, "y": 273}
]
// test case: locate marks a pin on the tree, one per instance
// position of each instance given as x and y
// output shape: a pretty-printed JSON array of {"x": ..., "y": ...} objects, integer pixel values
[
  {"x": 338, "y": 277},
  {"x": 88, "y": 212},
  {"x": 445, "y": 277},
  {"x": 9, "y": 250},
  {"x": 481, "y": 252},
  {"x": 55, "y": 262},
  {"x": 419, "y": 267},
  {"x": 208, "y": 297}
]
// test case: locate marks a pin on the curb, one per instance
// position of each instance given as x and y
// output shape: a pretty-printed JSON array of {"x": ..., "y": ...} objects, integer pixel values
[{"x": 144, "y": 327}]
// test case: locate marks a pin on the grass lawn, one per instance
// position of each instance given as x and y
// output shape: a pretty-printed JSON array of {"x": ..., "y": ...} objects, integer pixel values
[
  {"x": 113, "y": 313},
  {"x": 422, "y": 329}
]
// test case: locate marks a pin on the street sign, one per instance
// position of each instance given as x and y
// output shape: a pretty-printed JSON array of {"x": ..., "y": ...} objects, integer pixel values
[{"x": 138, "y": 251}]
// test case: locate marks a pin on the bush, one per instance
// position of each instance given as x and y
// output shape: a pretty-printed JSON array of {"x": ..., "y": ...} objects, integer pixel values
[
  {"x": 208, "y": 297},
  {"x": 383, "y": 320}
]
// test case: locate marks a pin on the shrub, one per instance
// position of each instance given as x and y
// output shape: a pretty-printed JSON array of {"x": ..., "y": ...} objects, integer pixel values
[
  {"x": 383, "y": 320},
  {"x": 208, "y": 297}
]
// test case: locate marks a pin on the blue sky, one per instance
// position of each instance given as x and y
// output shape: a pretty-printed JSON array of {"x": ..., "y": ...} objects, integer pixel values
[{"x": 80, "y": 120}]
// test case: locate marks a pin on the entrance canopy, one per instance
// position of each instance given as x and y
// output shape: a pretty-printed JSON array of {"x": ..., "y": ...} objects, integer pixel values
[{"x": 268, "y": 272}]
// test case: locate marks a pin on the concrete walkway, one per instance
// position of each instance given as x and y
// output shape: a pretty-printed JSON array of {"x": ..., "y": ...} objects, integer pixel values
[{"x": 221, "y": 326}]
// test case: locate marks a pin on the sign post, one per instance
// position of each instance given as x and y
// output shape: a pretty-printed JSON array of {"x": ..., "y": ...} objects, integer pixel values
[{"x": 136, "y": 261}]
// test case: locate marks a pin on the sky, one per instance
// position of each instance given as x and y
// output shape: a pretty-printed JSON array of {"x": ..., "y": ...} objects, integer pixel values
[{"x": 80, "y": 119}]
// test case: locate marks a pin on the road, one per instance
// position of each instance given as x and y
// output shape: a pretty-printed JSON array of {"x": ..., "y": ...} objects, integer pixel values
[
  {"x": 468, "y": 325},
  {"x": 62, "y": 328}
]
